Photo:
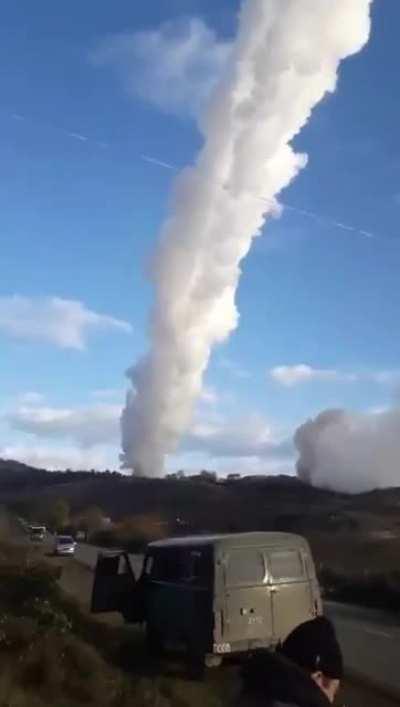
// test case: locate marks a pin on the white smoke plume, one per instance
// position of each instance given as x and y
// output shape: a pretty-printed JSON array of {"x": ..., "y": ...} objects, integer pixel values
[
  {"x": 284, "y": 60},
  {"x": 350, "y": 452}
]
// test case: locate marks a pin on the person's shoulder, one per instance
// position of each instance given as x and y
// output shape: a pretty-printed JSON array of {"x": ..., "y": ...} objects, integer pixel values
[
  {"x": 246, "y": 700},
  {"x": 279, "y": 682}
]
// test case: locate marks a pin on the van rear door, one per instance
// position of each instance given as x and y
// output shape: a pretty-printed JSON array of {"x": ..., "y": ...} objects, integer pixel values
[
  {"x": 292, "y": 596},
  {"x": 115, "y": 587},
  {"x": 247, "y": 615}
]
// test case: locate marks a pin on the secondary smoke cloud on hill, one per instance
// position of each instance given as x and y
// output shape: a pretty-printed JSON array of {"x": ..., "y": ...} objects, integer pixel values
[
  {"x": 350, "y": 452},
  {"x": 284, "y": 60}
]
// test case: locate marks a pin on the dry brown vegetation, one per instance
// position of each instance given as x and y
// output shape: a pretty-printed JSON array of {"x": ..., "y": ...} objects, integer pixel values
[
  {"x": 354, "y": 537},
  {"x": 51, "y": 653}
]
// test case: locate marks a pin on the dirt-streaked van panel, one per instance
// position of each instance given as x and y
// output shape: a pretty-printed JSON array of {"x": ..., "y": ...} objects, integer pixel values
[
  {"x": 291, "y": 591},
  {"x": 219, "y": 593},
  {"x": 247, "y": 598}
]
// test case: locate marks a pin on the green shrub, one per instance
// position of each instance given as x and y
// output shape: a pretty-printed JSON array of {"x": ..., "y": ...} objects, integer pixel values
[
  {"x": 17, "y": 633},
  {"x": 20, "y": 585},
  {"x": 47, "y": 615},
  {"x": 52, "y": 654}
]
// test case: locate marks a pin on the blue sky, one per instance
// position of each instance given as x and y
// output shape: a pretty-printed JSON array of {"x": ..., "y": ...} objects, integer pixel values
[{"x": 81, "y": 206}]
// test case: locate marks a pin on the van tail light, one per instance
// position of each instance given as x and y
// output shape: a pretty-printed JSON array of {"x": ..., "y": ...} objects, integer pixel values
[{"x": 218, "y": 623}]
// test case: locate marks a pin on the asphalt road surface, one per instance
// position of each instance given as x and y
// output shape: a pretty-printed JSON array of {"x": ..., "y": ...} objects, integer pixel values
[{"x": 371, "y": 643}]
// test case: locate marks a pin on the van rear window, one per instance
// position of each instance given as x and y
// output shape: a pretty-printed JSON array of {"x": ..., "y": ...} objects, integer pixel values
[
  {"x": 245, "y": 567},
  {"x": 285, "y": 565},
  {"x": 183, "y": 566}
]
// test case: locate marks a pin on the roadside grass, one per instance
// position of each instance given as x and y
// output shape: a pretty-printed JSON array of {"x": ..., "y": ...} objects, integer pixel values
[{"x": 52, "y": 653}]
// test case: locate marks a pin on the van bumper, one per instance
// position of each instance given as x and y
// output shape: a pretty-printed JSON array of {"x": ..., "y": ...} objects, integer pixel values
[{"x": 245, "y": 646}]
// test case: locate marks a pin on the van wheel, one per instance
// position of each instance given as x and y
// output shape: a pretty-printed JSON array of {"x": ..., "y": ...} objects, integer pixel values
[
  {"x": 154, "y": 642},
  {"x": 195, "y": 661},
  {"x": 212, "y": 661}
]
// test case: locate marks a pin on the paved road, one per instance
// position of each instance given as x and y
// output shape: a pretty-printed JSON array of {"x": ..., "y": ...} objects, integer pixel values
[{"x": 370, "y": 639}]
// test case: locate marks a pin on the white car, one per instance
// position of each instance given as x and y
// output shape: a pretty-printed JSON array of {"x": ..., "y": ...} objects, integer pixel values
[
  {"x": 64, "y": 545},
  {"x": 38, "y": 533}
]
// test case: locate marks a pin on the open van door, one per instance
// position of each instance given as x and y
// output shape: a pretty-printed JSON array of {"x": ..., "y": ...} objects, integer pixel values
[{"x": 115, "y": 587}]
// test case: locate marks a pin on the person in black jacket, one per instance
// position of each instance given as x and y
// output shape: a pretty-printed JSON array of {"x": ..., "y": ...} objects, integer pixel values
[{"x": 304, "y": 672}]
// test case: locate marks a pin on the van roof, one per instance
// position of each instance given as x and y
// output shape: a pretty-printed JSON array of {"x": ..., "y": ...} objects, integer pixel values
[{"x": 256, "y": 539}]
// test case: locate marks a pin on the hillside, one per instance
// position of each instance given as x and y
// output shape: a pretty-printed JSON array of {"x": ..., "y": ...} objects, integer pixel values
[
  {"x": 348, "y": 533},
  {"x": 249, "y": 502}
]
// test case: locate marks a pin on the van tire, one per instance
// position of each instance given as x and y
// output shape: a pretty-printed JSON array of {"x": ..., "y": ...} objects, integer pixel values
[
  {"x": 154, "y": 642},
  {"x": 195, "y": 660},
  {"x": 212, "y": 661}
]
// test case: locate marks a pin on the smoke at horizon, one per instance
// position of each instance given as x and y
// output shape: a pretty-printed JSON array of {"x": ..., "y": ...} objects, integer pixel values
[
  {"x": 284, "y": 60},
  {"x": 350, "y": 452}
]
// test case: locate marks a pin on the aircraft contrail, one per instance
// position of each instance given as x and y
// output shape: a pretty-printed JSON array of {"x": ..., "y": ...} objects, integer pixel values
[
  {"x": 326, "y": 221},
  {"x": 164, "y": 164}
]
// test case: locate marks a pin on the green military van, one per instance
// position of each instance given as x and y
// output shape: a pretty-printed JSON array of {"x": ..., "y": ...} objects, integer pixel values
[{"x": 217, "y": 594}]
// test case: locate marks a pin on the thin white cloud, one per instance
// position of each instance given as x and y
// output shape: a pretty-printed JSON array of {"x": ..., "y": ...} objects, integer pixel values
[
  {"x": 87, "y": 437},
  {"x": 108, "y": 393},
  {"x": 389, "y": 377},
  {"x": 175, "y": 66},
  {"x": 233, "y": 367},
  {"x": 209, "y": 396},
  {"x": 290, "y": 376},
  {"x": 64, "y": 323},
  {"x": 377, "y": 410},
  {"x": 251, "y": 437},
  {"x": 194, "y": 462},
  {"x": 302, "y": 373},
  {"x": 30, "y": 398},
  {"x": 51, "y": 457},
  {"x": 85, "y": 427}
]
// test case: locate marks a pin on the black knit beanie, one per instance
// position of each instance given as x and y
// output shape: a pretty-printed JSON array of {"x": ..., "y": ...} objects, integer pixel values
[{"x": 313, "y": 646}]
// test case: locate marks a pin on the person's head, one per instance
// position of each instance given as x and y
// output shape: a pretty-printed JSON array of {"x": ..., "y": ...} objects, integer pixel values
[{"x": 313, "y": 646}]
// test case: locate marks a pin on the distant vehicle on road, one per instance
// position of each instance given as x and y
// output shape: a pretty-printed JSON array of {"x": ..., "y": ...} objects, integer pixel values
[
  {"x": 64, "y": 545},
  {"x": 217, "y": 594},
  {"x": 37, "y": 533}
]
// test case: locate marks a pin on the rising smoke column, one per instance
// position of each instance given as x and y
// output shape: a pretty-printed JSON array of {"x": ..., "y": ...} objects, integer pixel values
[
  {"x": 349, "y": 451},
  {"x": 285, "y": 59}
]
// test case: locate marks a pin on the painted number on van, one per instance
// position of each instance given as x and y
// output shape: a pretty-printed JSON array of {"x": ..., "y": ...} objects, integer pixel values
[
  {"x": 222, "y": 648},
  {"x": 255, "y": 620}
]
